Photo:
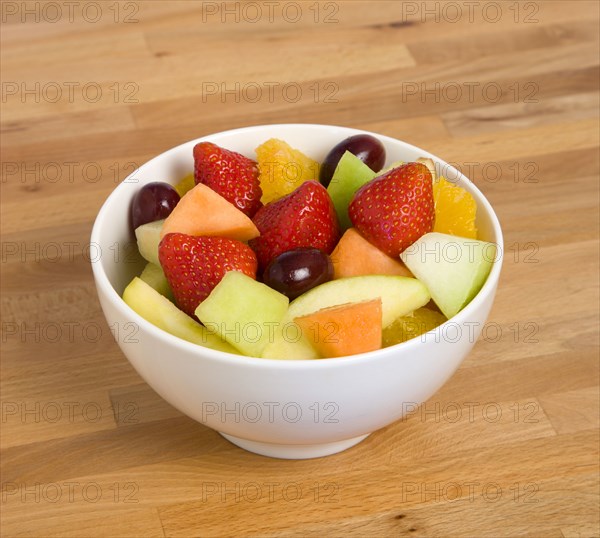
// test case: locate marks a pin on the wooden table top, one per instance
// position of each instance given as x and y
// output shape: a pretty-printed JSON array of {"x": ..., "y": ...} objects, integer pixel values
[{"x": 506, "y": 90}]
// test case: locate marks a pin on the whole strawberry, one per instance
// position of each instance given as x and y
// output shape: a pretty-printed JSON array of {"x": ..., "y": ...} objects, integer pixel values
[
  {"x": 195, "y": 265},
  {"x": 395, "y": 209},
  {"x": 304, "y": 218},
  {"x": 230, "y": 174}
]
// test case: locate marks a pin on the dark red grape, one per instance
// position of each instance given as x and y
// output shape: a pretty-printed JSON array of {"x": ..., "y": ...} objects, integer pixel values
[
  {"x": 366, "y": 147},
  {"x": 296, "y": 271},
  {"x": 153, "y": 201}
]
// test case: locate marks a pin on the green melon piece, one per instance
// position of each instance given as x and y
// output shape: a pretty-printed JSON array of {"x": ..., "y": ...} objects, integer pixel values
[
  {"x": 159, "y": 311},
  {"x": 453, "y": 268},
  {"x": 290, "y": 347},
  {"x": 185, "y": 185},
  {"x": 154, "y": 276},
  {"x": 425, "y": 160},
  {"x": 430, "y": 165},
  {"x": 350, "y": 174},
  {"x": 395, "y": 164},
  {"x": 148, "y": 238},
  {"x": 244, "y": 312}
]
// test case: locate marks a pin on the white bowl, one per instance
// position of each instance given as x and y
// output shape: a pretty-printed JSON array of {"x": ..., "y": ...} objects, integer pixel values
[{"x": 285, "y": 409}]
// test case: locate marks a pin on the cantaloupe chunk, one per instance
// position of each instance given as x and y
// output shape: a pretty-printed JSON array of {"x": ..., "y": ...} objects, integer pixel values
[
  {"x": 348, "y": 329},
  {"x": 202, "y": 211},
  {"x": 355, "y": 256}
]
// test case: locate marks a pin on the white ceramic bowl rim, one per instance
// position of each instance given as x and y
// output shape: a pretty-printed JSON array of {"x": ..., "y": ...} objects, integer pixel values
[{"x": 208, "y": 353}]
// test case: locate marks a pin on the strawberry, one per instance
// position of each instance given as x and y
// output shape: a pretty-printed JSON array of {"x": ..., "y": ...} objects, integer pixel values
[
  {"x": 394, "y": 210},
  {"x": 230, "y": 174},
  {"x": 304, "y": 218},
  {"x": 195, "y": 265}
]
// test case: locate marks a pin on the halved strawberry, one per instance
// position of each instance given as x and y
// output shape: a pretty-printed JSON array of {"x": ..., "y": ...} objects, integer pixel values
[
  {"x": 195, "y": 265},
  {"x": 304, "y": 218},
  {"x": 395, "y": 209},
  {"x": 232, "y": 175}
]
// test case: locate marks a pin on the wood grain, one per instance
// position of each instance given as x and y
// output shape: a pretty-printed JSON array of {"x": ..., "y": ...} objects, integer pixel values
[{"x": 508, "y": 447}]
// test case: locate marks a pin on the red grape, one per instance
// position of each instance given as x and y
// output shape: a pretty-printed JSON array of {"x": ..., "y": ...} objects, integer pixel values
[
  {"x": 298, "y": 270},
  {"x": 153, "y": 201},
  {"x": 366, "y": 147}
]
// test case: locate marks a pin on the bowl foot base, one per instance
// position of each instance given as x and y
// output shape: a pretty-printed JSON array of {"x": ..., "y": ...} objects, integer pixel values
[{"x": 294, "y": 452}]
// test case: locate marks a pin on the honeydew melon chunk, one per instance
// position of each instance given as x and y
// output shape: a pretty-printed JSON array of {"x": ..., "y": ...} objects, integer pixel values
[
  {"x": 453, "y": 268},
  {"x": 399, "y": 296},
  {"x": 289, "y": 345},
  {"x": 154, "y": 276},
  {"x": 350, "y": 174},
  {"x": 159, "y": 311},
  {"x": 395, "y": 164},
  {"x": 430, "y": 165},
  {"x": 244, "y": 312},
  {"x": 425, "y": 160},
  {"x": 186, "y": 184},
  {"x": 148, "y": 238}
]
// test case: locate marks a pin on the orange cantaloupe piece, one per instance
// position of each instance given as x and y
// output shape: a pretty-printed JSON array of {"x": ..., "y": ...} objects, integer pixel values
[
  {"x": 344, "y": 330},
  {"x": 355, "y": 256},
  {"x": 201, "y": 211}
]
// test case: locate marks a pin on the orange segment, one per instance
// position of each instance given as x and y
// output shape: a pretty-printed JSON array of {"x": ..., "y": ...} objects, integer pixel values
[
  {"x": 282, "y": 169},
  {"x": 344, "y": 330},
  {"x": 455, "y": 210},
  {"x": 202, "y": 211},
  {"x": 355, "y": 256}
]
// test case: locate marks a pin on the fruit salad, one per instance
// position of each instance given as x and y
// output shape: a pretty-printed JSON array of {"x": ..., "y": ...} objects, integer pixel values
[{"x": 276, "y": 255}]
